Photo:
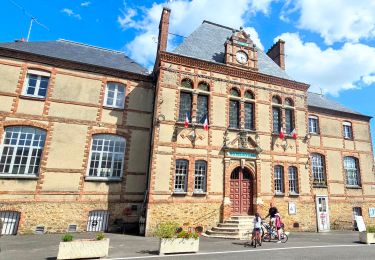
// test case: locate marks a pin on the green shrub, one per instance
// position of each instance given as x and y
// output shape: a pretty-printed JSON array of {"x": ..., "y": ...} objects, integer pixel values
[
  {"x": 100, "y": 236},
  {"x": 188, "y": 234},
  {"x": 371, "y": 229},
  {"x": 67, "y": 237},
  {"x": 166, "y": 230}
]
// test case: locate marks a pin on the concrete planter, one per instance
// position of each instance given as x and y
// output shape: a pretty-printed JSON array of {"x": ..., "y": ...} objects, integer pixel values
[
  {"x": 368, "y": 238},
  {"x": 83, "y": 249},
  {"x": 178, "y": 245}
]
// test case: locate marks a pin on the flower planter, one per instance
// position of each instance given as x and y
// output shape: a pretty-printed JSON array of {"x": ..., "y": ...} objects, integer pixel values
[
  {"x": 368, "y": 238},
  {"x": 178, "y": 245},
  {"x": 84, "y": 248}
]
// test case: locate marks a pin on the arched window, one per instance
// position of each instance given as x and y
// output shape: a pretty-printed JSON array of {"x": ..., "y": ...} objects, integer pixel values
[
  {"x": 279, "y": 179},
  {"x": 21, "y": 151},
  {"x": 181, "y": 176},
  {"x": 203, "y": 86},
  {"x": 293, "y": 180},
  {"x": 289, "y": 102},
  {"x": 114, "y": 95},
  {"x": 351, "y": 171},
  {"x": 187, "y": 83},
  {"x": 200, "y": 176},
  {"x": 234, "y": 92},
  {"x": 318, "y": 169},
  {"x": 249, "y": 94},
  {"x": 107, "y": 157},
  {"x": 276, "y": 114}
]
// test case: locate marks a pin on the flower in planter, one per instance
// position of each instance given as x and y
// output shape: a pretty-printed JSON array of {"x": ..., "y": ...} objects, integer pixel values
[{"x": 172, "y": 230}]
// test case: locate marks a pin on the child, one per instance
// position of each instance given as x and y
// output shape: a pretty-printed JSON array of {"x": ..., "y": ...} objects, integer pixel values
[
  {"x": 256, "y": 232},
  {"x": 278, "y": 225}
]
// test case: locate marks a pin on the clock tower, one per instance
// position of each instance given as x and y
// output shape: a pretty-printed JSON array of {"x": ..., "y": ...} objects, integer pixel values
[{"x": 240, "y": 51}]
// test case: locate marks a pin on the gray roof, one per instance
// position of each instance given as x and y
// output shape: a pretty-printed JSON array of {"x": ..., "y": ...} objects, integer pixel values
[
  {"x": 207, "y": 43},
  {"x": 78, "y": 52},
  {"x": 320, "y": 101}
]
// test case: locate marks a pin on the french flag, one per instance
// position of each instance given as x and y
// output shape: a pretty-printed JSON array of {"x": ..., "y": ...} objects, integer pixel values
[
  {"x": 281, "y": 134},
  {"x": 186, "y": 125},
  {"x": 294, "y": 134},
  {"x": 205, "y": 124}
]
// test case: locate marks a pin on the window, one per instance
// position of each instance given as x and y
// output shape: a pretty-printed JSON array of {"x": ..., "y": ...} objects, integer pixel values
[
  {"x": 187, "y": 83},
  {"x": 203, "y": 86},
  {"x": 318, "y": 169},
  {"x": 36, "y": 85},
  {"x": 202, "y": 108},
  {"x": 115, "y": 95},
  {"x": 289, "y": 121},
  {"x": 288, "y": 102},
  {"x": 351, "y": 171},
  {"x": 107, "y": 156},
  {"x": 276, "y": 116},
  {"x": 200, "y": 176},
  {"x": 276, "y": 100},
  {"x": 234, "y": 92},
  {"x": 234, "y": 114},
  {"x": 313, "y": 125},
  {"x": 180, "y": 180},
  {"x": 21, "y": 151},
  {"x": 249, "y": 95},
  {"x": 347, "y": 130},
  {"x": 249, "y": 116},
  {"x": 185, "y": 106},
  {"x": 293, "y": 180},
  {"x": 279, "y": 187}
]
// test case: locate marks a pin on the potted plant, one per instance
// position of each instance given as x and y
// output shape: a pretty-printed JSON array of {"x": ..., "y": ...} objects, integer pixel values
[
  {"x": 368, "y": 236},
  {"x": 176, "y": 240},
  {"x": 83, "y": 248}
]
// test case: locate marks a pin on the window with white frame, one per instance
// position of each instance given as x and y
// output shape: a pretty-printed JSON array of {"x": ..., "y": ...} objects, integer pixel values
[
  {"x": 200, "y": 177},
  {"x": 181, "y": 174},
  {"x": 313, "y": 125},
  {"x": 36, "y": 84},
  {"x": 347, "y": 130},
  {"x": 115, "y": 95},
  {"x": 318, "y": 169},
  {"x": 293, "y": 180},
  {"x": 107, "y": 156},
  {"x": 352, "y": 171},
  {"x": 279, "y": 172},
  {"x": 21, "y": 151}
]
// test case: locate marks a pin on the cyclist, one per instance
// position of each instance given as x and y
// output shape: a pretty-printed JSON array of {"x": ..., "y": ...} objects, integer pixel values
[
  {"x": 272, "y": 213},
  {"x": 256, "y": 236}
]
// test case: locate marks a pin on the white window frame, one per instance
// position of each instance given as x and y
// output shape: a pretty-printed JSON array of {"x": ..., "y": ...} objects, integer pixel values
[
  {"x": 28, "y": 165},
  {"x": 318, "y": 169},
  {"x": 108, "y": 171},
  {"x": 202, "y": 174},
  {"x": 347, "y": 130},
  {"x": 279, "y": 179},
  {"x": 311, "y": 127},
  {"x": 293, "y": 180},
  {"x": 181, "y": 176},
  {"x": 39, "y": 75},
  {"x": 115, "y": 95},
  {"x": 351, "y": 168}
]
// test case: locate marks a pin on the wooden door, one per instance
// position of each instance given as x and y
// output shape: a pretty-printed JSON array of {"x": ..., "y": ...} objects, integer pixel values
[{"x": 241, "y": 192}]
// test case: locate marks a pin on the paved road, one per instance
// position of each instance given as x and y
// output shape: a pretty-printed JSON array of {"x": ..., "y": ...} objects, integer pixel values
[{"x": 332, "y": 245}]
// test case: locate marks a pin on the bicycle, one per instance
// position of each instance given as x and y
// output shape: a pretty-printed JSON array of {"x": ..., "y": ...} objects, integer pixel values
[{"x": 271, "y": 234}]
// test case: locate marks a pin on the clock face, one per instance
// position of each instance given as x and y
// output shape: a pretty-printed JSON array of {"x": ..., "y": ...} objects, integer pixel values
[{"x": 241, "y": 57}]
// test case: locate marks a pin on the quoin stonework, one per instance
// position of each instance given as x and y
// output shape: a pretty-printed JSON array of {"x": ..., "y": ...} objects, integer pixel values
[{"x": 91, "y": 141}]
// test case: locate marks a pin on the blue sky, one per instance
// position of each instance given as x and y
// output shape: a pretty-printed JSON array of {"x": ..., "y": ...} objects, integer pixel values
[{"x": 329, "y": 44}]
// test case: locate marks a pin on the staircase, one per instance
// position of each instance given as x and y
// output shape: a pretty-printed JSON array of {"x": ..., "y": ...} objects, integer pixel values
[{"x": 237, "y": 227}]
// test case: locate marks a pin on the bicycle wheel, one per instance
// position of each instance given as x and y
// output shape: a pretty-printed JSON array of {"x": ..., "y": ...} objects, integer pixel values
[
  {"x": 267, "y": 237},
  {"x": 283, "y": 237}
]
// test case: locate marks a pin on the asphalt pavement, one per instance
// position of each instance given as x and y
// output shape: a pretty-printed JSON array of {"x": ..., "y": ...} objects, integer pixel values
[{"x": 301, "y": 245}]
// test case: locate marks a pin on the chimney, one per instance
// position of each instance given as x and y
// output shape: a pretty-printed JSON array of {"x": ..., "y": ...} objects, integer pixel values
[
  {"x": 20, "y": 40},
  {"x": 163, "y": 29},
  {"x": 277, "y": 53}
]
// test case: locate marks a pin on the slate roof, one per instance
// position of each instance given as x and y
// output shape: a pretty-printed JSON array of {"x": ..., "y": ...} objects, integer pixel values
[
  {"x": 207, "y": 43},
  {"x": 320, "y": 101},
  {"x": 78, "y": 52}
]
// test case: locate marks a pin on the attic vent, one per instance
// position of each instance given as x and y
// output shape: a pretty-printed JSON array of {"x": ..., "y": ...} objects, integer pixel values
[
  {"x": 39, "y": 230},
  {"x": 72, "y": 228}
]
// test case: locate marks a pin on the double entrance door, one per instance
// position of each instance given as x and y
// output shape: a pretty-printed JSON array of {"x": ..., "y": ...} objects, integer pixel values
[{"x": 241, "y": 192}]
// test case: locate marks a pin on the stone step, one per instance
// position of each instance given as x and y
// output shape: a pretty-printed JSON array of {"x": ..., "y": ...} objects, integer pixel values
[
  {"x": 226, "y": 229},
  {"x": 222, "y": 233},
  {"x": 239, "y": 222},
  {"x": 235, "y": 225}
]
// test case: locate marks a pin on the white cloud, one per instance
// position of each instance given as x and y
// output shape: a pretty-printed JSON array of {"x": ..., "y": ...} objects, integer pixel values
[
  {"x": 85, "y": 4},
  {"x": 70, "y": 12},
  {"x": 254, "y": 36},
  {"x": 186, "y": 16},
  {"x": 336, "y": 20},
  {"x": 330, "y": 69}
]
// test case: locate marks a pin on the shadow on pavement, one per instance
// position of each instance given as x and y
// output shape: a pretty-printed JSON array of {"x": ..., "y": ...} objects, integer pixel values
[{"x": 150, "y": 252}]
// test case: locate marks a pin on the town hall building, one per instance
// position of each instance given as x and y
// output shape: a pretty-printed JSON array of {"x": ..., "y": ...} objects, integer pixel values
[{"x": 90, "y": 141}]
